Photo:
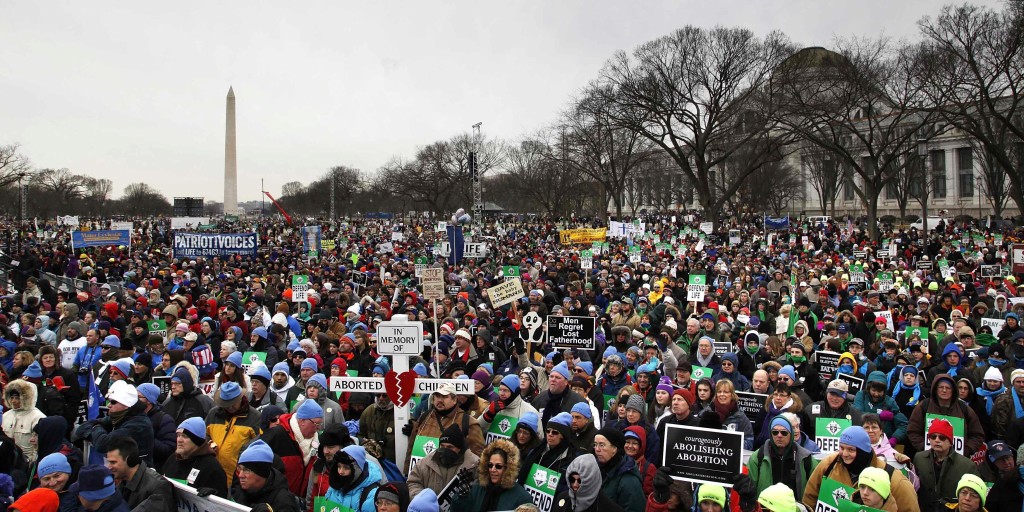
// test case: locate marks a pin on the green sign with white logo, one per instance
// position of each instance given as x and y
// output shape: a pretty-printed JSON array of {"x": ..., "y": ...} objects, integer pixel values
[
  {"x": 830, "y": 494},
  {"x": 827, "y": 432},
  {"x": 248, "y": 358},
  {"x": 422, "y": 447},
  {"x": 541, "y": 483},
  {"x": 157, "y": 327},
  {"x": 501, "y": 428},
  {"x": 510, "y": 272},
  {"x": 701, "y": 372},
  {"x": 323, "y": 504}
]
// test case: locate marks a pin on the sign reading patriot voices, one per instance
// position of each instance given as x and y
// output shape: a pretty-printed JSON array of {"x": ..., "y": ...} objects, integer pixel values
[
  {"x": 572, "y": 332},
  {"x": 197, "y": 245},
  {"x": 702, "y": 455}
]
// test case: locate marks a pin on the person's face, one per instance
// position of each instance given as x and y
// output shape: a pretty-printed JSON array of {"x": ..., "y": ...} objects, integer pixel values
[
  {"x": 184, "y": 447},
  {"x": 679, "y": 406},
  {"x": 603, "y": 450},
  {"x": 692, "y": 327},
  {"x": 312, "y": 392},
  {"x": 632, "y": 416},
  {"x": 1018, "y": 385},
  {"x": 964, "y": 389},
  {"x": 704, "y": 392},
  {"x": 939, "y": 443},
  {"x": 909, "y": 379},
  {"x": 280, "y": 379},
  {"x": 55, "y": 481},
  {"x": 780, "y": 398},
  {"x": 874, "y": 432},
  {"x": 1006, "y": 464},
  {"x": 117, "y": 465},
  {"x": 968, "y": 500},
  {"x": 557, "y": 383},
  {"x": 710, "y": 506},
  {"x": 92, "y": 337},
  {"x": 945, "y": 391},
  {"x": 632, "y": 447},
  {"x": 553, "y": 437},
  {"x": 49, "y": 361},
  {"x": 176, "y": 387},
  {"x": 306, "y": 373},
  {"x": 876, "y": 393},
  {"x": 727, "y": 366},
  {"x": 760, "y": 382},
  {"x": 705, "y": 348},
  {"x": 781, "y": 437},
  {"x": 847, "y": 453},
  {"x": 310, "y": 427},
  {"x": 870, "y": 497},
  {"x": 579, "y": 422},
  {"x": 522, "y": 436},
  {"x": 444, "y": 402},
  {"x": 723, "y": 396},
  {"x": 835, "y": 401},
  {"x": 250, "y": 481},
  {"x": 495, "y": 468}
]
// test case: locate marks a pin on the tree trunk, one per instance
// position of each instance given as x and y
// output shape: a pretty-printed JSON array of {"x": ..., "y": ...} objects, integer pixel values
[{"x": 872, "y": 210}]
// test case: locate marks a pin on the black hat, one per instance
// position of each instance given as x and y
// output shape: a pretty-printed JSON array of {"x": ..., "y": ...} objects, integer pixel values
[
  {"x": 453, "y": 435},
  {"x": 614, "y": 436}
]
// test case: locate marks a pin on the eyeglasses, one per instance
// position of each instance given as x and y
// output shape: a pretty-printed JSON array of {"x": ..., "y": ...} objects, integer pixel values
[
  {"x": 936, "y": 437},
  {"x": 552, "y": 431},
  {"x": 499, "y": 467},
  {"x": 317, "y": 423},
  {"x": 575, "y": 479},
  {"x": 579, "y": 370},
  {"x": 726, "y": 363},
  {"x": 780, "y": 433},
  {"x": 601, "y": 445}
]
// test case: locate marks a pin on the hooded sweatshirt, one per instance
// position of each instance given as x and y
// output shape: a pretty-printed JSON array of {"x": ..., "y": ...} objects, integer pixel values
[
  {"x": 590, "y": 486},
  {"x": 18, "y": 423}
]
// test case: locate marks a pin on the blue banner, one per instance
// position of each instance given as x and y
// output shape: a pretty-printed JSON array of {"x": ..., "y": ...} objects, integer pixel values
[
  {"x": 311, "y": 236},
  {"x": 200, "y": 245},
  {"x": 80, "y": 239},
  {"x": 776, "y": 222},
  {"x": 457, "y": 244}
]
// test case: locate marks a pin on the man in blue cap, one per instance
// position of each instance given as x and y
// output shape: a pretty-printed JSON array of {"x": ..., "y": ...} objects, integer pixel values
[
  {"x": 294, "y": 441},
  {"x": 163, "y": 425},
  {"x": 260, "y": 486},
  {"x": 259, "y": 387},
  {"x": 96, "y": 491},
  {"x": 194, "y": 462},
  {"x": 232, "y": 424}
]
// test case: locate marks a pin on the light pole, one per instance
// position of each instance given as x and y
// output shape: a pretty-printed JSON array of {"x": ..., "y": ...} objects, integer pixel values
[{"x": 922, "y": 152}]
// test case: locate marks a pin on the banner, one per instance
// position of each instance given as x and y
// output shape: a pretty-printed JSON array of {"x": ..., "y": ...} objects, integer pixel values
[
  {"x": 572, "y": 332},
  {"x": 722, "y": 347},
  {"x": 187, "y": 222},
  {"x": 828, "y": 363},
  {"x": 751, "y": 403},
  {"x": 501, "y": 428},
  {"x": 541, "y": 483},
  {"x": 853, "y": 382},
  {"x": 67, "y": 220},
  {"x": 776, "y": 222},
  {"x": 505, "y": 293},
  {"x": 702, "y": 455},
  {"x": 80, "y": 239},
  {"x": 958, "y": 430},
  {"x": 827, "y": 432},
  {"x": 188, "y": 500},
  {"x": 311, "y": 241},
  {"x": 196, "y": 245},
  {"x": 625, "y": 229},
  {"x": 582, "y": 236}
]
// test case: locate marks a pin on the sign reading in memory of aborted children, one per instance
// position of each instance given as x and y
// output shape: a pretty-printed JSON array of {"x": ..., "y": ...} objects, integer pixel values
[
  {"x": 399, "y": 338},
  {"x": 505, "y": 293},
  {"x": 751, "y": 403},
  {"x": 572, "y": 332},
  {"x": 702, "y": 455}
]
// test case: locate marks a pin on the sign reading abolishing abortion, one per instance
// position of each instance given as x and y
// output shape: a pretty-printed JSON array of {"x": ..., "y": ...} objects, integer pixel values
[{"x": 702, "y": 455}]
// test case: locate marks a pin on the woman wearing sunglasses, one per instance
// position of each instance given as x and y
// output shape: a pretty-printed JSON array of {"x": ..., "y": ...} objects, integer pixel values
[{"x": 496, "y": 488}]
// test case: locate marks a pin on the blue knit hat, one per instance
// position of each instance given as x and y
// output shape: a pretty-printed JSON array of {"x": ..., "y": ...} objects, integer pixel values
[
  {"x": 583, "y": 410},
  {"x": 53, "y": 463},
  {"x": 511, "y": 382},
  {"x": 229, "y": 391},
  {"x": 420, "y": 369},
  {"x": 34, "y": 371},
  {"x": 111, "y": 341},
  {"x": 310, "y": 362},
  {"x": 318, "y": 379},
  {"x": 261, "y": 332},
  {"x": 529, "y": 420},
  {"x": 95, "y": 483},
  {"x": 236, "y": 359},
  {"x": 195, "y": 426},
  {"x": 281, "y": 367},
  {"x": 309, "y": 410},
  {"x": 780, "y": 421},
  {"x": 293, "y": 346},
  {"x": 150, "y": 392},
  {"x": 608, "y": 352},
  {"x": 424, "y": 501},
  {"x": 587, "y": 366},
  {"x": 123, "y": 366},
  {"x": 562, "y": 369},
  {"x": 731, "y": 357},
  {"x": 789, "y": 371},
  {"x": 562, "y": 418},
  {"x": 856, "y": 437},
  {"x": 258, "y": 451},
  {"x": 260, "y": 371}
]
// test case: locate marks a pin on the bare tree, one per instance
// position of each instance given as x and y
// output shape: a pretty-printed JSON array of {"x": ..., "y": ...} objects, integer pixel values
[
  {"x": 67, "y": 188},
  {"x": 142, "y": 199},
  {"x": 292, "y": 188},
  {"x": 974, "y": 72},
  {"x": 865, "y": 106},
  {"x": 539, "y": 175},
  {"x": 824, "y": 174},
  {"x": 13, "y": 165},
  {"x": 701, "y": 95}
]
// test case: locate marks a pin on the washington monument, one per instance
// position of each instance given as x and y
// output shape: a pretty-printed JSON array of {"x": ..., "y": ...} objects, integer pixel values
[{"x": 230, "y": 162}]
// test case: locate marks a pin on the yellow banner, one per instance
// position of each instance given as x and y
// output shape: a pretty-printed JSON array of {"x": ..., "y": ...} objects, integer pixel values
[{"x": 582, "y": 236}]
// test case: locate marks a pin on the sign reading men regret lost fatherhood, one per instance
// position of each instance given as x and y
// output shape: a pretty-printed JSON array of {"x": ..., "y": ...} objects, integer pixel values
[
  {"x": 572, "y": 332},
  {"x": 702, "y": 455}
]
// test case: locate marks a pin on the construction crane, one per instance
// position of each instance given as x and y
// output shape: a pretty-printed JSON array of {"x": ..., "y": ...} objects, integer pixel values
[{"x": 279, "y": 208}]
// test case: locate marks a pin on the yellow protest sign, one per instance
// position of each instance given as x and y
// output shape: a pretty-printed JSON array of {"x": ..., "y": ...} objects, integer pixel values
[{"x": 582, "y": 236}]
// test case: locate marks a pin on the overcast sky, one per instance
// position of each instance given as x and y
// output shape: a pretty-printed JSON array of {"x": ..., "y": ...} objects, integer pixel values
[{"x": 135, "y": 91}]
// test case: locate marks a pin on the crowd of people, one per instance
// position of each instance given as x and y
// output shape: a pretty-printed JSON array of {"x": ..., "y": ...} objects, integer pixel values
[{"x": 156, "y": 371}]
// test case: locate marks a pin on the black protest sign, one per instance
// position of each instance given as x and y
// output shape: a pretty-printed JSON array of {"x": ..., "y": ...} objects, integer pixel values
[
  {"x": 722, "y": 347},
  {"x": 359, "y": 278},
  {"x": 457, "y": 487},
  {"x": 702, "y": 455},
  {"x": 855, "y": 383},
  {"x": 572, "y": 332},
  {"x": 828, "y": 362},
  {"x": 751, "y": 403},
  {"x": 164, "y": 383}
]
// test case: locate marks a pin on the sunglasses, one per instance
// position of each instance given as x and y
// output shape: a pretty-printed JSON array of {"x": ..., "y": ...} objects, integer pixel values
[
  {"x": 936, "y": 437},
  {"x": 552, "y": 431},
  {"x": 575, "y": 479},
  {"x": 780, "y": 433},
  {"x": 495, "y": 466}
]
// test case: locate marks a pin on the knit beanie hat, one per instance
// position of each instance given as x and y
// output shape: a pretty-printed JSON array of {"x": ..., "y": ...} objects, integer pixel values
[
  {"x": 711, "y": 492},
  {"x": 779, "y": 421},
  {"x": 453, "y": 434},
  {"x": 562, "y": 369},
  {"x": 150, "y": 392},
  {"x": 942, "y": 427},
  {"x": 511, "y": 382},
  {"x": 529, "y": 420},
  {"x": 562, "y": 422},
  {"x": 789, "y": 371},
  {"x": 195, "y": 429},
  {"x": 37, "y": 500},
  {"x": 34, "y": 371},
  {"x": 686, "y": 394},
  {"x": 636, "y": 402},
  {"x": 258, "y": 457},
  {"x": 858, "y": 438},
  {"x": 53, "y": 463},
  {"x": 778, "y": 498},
  {"x": 425, "y": 501},
  {"x": 281, "y": 367},
  {"x": 309, "y": 410},
  {"x": 877, "y": 479},
  {"x": 583, "y": 410},
  {"x": 236, "y": 359},
  {"x": 614, "y": 436},
  {"x": 310, "y": 363},
  {"x": 974, "y": 483},
  {"x": 259, "y": 372}
]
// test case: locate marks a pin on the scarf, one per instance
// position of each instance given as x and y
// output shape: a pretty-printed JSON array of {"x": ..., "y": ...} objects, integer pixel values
[
  {"x": 1017, "y": 410},
  {"x": 725, "y": 410},
  {"x": 305, "y": 445},
  {"x": 492, "y": 495},
  {"x": 703, "y": 361},
  {"x": 989, "y": 396},
  {"x": 903, "y": 387}
]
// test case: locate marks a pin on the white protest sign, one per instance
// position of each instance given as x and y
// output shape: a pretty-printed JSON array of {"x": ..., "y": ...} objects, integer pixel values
[
  {"x": 505, "y": 293},
  {"x": 396, "y": 337},
  {"x": 887, "y": 315},
  {"x": 187, "y": 499},
  {"x": 995, "y": 323},
  {"x": 376, "y": 385},
  {"x": 433, "y": 283},
  {"x": 707, "y": 227},
  {"x": 300, "y": 288}
]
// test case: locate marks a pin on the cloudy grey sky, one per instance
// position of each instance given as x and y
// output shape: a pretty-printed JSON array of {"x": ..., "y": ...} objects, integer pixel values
[{"x": 135, "y": 91}]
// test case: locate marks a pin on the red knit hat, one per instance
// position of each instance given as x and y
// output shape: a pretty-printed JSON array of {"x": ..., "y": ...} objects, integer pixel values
[
  {"x": 37, "y": 500},
  {"x": 686, "y": 394},
  {"x": 942, "y": 427}
]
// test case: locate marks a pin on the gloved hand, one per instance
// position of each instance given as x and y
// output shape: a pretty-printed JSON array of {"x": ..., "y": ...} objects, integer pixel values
[
  {"x": 747, "y": 491},
  {"x": 407, "y": 429},
  {"x": 893, "y": 442},
  {"x": 496, "y": 407},
  {"x": 205, "y": 491},
  {"x": 662, "y": 482},
  {"x": 520, "y": 345},
  {"x": 262, "y": 507},
  {"x": 885, "y": 415}
]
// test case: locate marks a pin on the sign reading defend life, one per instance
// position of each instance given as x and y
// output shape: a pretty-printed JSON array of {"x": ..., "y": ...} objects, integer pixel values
[
  {"x": 696, "y": 287},
  {"x": 399, "y": 338}
]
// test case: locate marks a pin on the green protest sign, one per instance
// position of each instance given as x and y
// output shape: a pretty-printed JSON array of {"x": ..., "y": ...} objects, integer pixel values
[
  {"x": 605, "y": 411},
  {"x": 323, "y": 504},
  {"x": 849, "y": 506},
  {"x": 921, "y": 332},
  {"x": 885, "y": 280},
  {"x": 248, "y": 358},
  {"x": 634, "y": 254},
  {"x": 422, "y": 447},
  {"x": 510, "y": 272},
  {"x": 157, "y": 327},
  {"x": 958, "y": 430},
  {"x": 501, "y": 428},
  {"x": 830, "y": 494},
  {"x": 541, "y": 483},
  {"x": 827, "y": 432},
  {"x": 701, "y": 372}
]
